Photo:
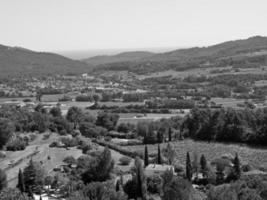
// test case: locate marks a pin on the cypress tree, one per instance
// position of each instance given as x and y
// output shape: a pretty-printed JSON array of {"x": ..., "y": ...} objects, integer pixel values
[
  {"x": 140, "y": 179},
  {"x": 203, "y": 165},
  {"x": 146, "y": 157},
  {"x": 170, "y": 134},
  {"x": 3, "y": 180},
  {"x": 21, "y": 184},
  {"x": 188, "y": 167},
  {"x": 237, "y": 169},
  {"x": 159, "y": 155},
  {"x": 117, "y": 186}
]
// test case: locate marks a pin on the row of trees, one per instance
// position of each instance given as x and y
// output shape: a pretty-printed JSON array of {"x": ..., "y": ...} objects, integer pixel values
[
  {"x": 227, "y": 125},
  {"x": 14, "y": 120}
]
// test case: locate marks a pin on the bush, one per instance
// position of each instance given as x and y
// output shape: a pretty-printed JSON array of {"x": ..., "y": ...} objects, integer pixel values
[
  {"x": 54, "y": 144},
  {"x": 69, "y": 160},
  {"x": 46, "y": 136},
  {"x": 125, "y": 160},
  {"x": 69, "y": 141},
  {"x": 154, "y": 184},
  {"x": 16, "y": 145}
]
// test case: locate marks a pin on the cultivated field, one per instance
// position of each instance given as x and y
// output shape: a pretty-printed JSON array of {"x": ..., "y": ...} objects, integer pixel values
[{"x": 257, "y": 157}]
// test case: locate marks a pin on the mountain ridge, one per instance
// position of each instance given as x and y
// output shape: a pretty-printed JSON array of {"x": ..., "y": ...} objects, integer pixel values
[{"x": 17, "y": 61}]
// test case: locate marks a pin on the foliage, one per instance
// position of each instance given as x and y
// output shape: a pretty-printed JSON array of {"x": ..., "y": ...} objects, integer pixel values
[
  {"x": 146, "y": 159},
  {"x": 107, "y": 120},
  {"x": 3, "y": 180},
  {"x": 175, "y": 188},
  {"x": 154, "y": 184},
  {"x": 250, "y": 187},
  {"x": 33, "y": 176},
  {"x": 159, "y": 156},
  {"x": 90, "y": 130},
  {"x": 13, "y": 194},
  {"x": 69, "y": 160},
  {"x": 137, "y": 186},
  {"x": 98, "y": 191},
  {"x": 188, "y": 167},
  {"x": 16, "y": 144},
  {"x": 99, "y": 168},
  {"x": 74, "y": 115},
  {"x": 56, "y": 112},
  {"x": 228, "y": 125},
  {"x": 21, "y": 183},
  {"x": 169, "y": 153},
  {"x": 125, "y": 160},
  {"x": 6, "y": 129}
]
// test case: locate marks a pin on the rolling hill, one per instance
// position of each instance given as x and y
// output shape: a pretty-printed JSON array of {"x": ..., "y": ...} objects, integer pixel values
[
  {"x": 238, "y": 53},
  {"x": 16, "y": 61},
  {"x": 122, "y": 57}
]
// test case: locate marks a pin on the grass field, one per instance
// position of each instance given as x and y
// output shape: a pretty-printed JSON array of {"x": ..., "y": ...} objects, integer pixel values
[
  {"x": 38, "y": 150},
  {"x": 255, "y": 156},
  {"x": 131, "y": 117}
]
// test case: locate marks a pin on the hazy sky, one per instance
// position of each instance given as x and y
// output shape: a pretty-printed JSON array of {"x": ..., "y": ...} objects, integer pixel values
[{"x": 50, "y": 25}]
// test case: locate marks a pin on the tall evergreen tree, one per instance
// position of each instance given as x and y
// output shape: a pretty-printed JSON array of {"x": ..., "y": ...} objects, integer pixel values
[
  {"x": 188, "y": 167},
  {"x": 117, "y": 186},
  {"x": 146, "y": 157},
  {"x": 3, "y": 180},
  {"x": 33, "y": 177},
  {"x": 237, "y": 168},
  {"x": 159, "y": 155},
  {"x": 203, "y": 165},
  {"x": 21, "y": 184},
  {"x": 140, "y": 179},
  {"x": 170, "y": 134}
]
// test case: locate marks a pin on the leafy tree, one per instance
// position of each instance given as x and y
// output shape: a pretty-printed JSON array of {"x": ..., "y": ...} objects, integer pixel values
[
  {"x": 107, "y": 120},
  {"x": 99, "y": 168},
  {"x": 6, "y": 129},
  {"x": 21, "y": 184},
  {"x": 169, "y": 153},
  {"x": 13, "y": 194},
  {"x": 56, "y": 112},
  {"x": 39, "y": 122},
  {"x": 130, "y": 188},
  {"x": 74, "y": 115},
  {"x": 3, "y": 180},
  {"x": 188, "y": 167},
  {"x": 175, "y": 188},
  {"x": 33, "y": 177},
  {"x": 98, "y": 191}
]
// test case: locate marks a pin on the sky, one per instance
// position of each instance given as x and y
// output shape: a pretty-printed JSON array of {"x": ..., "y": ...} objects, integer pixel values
[{"x": 60, "y": 25}]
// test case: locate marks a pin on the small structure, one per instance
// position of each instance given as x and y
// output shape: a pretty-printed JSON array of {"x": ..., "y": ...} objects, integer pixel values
[{"x": 154, "y": 169}]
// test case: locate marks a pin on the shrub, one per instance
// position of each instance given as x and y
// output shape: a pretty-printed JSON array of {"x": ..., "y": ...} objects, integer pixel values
[
  {"x": 70, "y": 142},
  {"x": 46, "y": 136},
  {"x": 54, "y": 144},
  {"x": 69, "y": 160},
  {"x": 63, "y": 132},
  {"x": 16, "y": 145},
  {"x": 125, "y": 160},
  {"x": 154, "y": 184},
  {"x": 85, "y": 148}
]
